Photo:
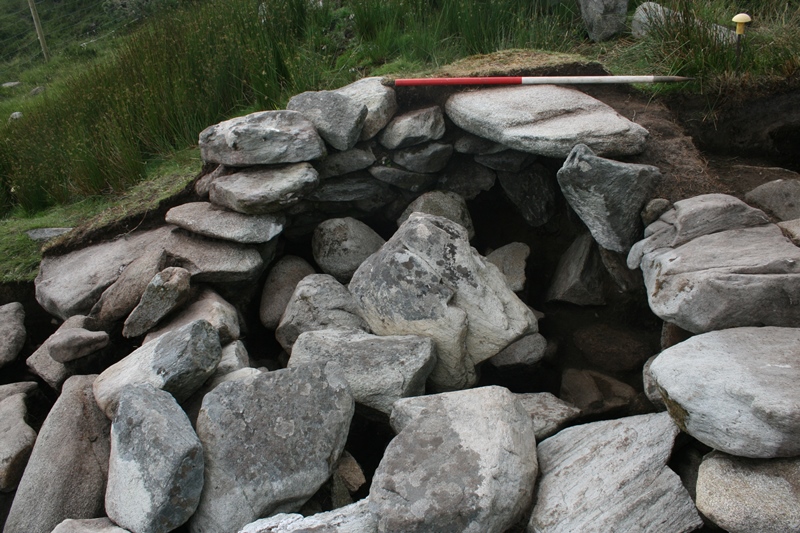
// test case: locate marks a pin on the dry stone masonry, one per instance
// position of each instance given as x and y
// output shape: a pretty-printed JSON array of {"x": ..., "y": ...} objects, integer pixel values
[{"x": 336, "y": 333}]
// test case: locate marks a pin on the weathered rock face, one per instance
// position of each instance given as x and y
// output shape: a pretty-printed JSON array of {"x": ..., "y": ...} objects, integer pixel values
[
  {"x": 354, "y": 518},
  {"x": 427, "y": 281},
  {"x": 340, "y": 245},
  {"x": 75, "y": 343},
  {"x": 462, "y": 461},
  {"x": 527, "y": 351},
  {"x": 264, "y": 138},
  {"x": 604, "y": 18},
  {"x": 155, "y": 471},
  {"x": 340, "y": 163},
  {"x": 208, "y": 306},
  {"x": 16, "y": 441},
  {"x": 779, "y": 197},
  {"x": 549, "y": 414},
  {"x": 593, "y": 392},
  {"x": 295, "y": 423},
  {"x": 735, "y": 390},
  {"x": 279, "y": 286},
  {"x": 749, "y": 495},
  {"x": 413, "y": 127},
  {"x": 205, "y": 219},
  {"x": 510, "y": 259},
  {"x": 532, "y": 192},
  {"x": 579, "y": 277},
  {"x": 213, "y": 260},
  {"x": 380, "y": 370},
  {"x": 88, "y": 525},
  {"x": 66, "y": 473},
  {"x": 166, "y": 291},
  {"x": 535, "y": 119},
  {"x": 443, "y": 204},
  {"x": 179, "y": 362},
  {"x": 337, "y": 117},
  {"x": 12, "y": 331},
  {"x": 379, "y": 99},
  {"x": 427, "y": 158},
  {"x": 466, "y": 179},
  {"x": 612, "y": 476},
  {"x": 264, "y": 190},
  {"x": 47, "y": 368}
]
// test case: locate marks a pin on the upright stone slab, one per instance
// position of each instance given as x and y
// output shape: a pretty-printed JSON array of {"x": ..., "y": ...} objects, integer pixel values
[
  {"x": 179, "y": 362},
  {"x": 279, "y": 286},
  {"x": 269, "y": 443},
  {"x": 607, "y": 195},
  {"x": 168, "y": 290},
  {"x": 380, "y": 101},
  {"x": 578, "y": 277},
  {"x": 67, "y": 470},
  {"x": 428, "y": 281},
  {"x": 510, "y": 259},
  {"x": 545, "y": 120},
  {"x": 12, "y": 331},
  {"x": 16, "y": 441},
  {"x": 735, "y": 390},
  {"x": 264, "y": 190},
  {"x": 337, "y": 117},
  {"x": 263, "y": 138},
  {"x": 205, "y": 219},
  {"x": 462, "y": 461},
  {"x": 340, "y": 245},
  {"x": 612, "y": 476},
  {"x": 155, "y": 471}
]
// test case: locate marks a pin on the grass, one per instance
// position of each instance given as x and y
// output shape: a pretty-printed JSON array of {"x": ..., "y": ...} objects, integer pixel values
[{"x": 113, "y": 113}]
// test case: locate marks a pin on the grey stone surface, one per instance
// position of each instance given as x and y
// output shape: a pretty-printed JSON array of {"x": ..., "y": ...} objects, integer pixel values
[
  {"x": 380, "y": 370},
  {"x": 464, "y": 177},
  {"x": 155, "y": 470},
  {"x": 549, "y": 414},
  {"x": 205, "y": 219},
  {"x": 357, "y": 188},
  {"x": 300, "y": 416},
  {"x": 510, "y": 259},
  {"x": 379, "y": 99},
  {"x": 279, "y": 286},
  {"x": 462, "y": 461},
  {"x": 16, "y": 440},
  {"x": 179, "y": 362},
  {"x": 210, "y": 307},
  {"x": 443, "y": 204},
  {"x": 428, "y": 281},
  {"x": 594, "y": 392},
  {"x": 19, "y": 387},
  {"x": 650, "y": 16},
  {"x": 791, "y": 228},
  {"x": 337, "y": 117},
  {"x": 750, "y": 495},
  {"x": 545, "y": 120},
  {"x": 654, "y": 209},
  {"x": 264, "y": 190},
  {"x": 168, "y": 290},
  {"x": 607, "y": 195},
  {"x": 214, "y": 261},
  {"x": 780, "y": 197},
  {"x": 67, "y": 470},
  {"x": 604, "y": 19},
  {"x": 651, "y": 387},
  {"x": 413, "y": 127},
  {"x": 75, "y": 343},
  {"x": 88, "y": 525},
  {"x": 46, "y": 234},
  {"x": 118, "y": 300},
  {"x": 340, "y": 163},
  {"x": 578, "y": 277},
  {"x": 47, "y": 368},
  {"x": 506, "y": 161},
  {"x": 431, "y": 157},
  {"x": 403, "y": 179},
  {"x": 741, "y": 277},
  {"x": 263, "y": 138},
  {"x": 234, "y": 357},
  {"x": 71, "y": 284},
  {"x": 467, "y": 143},
  {"x": 527, "y": 351},
  {"x": 612, "y": 476},
  {"x": 736, "y": 389},
  {"x": 12, "y": 331},
  {"x": 353, "y": 518},
  {"x": 340, "y": 245},
  {"x": 318, "y": 302},
  {"x": 532, "y": 192}
]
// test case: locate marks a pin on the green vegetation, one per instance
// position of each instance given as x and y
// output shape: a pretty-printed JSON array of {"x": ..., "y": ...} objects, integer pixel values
[{"x": 114, "y": 106}]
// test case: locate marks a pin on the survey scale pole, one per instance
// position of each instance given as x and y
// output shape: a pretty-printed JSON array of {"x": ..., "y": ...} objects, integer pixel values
[
  {"x": 532, "y": 80},
  {"x": 39, "y": 32}
]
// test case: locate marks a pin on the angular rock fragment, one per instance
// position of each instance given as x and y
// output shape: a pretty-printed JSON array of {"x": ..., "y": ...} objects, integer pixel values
[
  {"x": 403, "y": 179},
  {"x": 506, "y": 161},
  {"x": 354, "y": 518},
  {"x": 47, "y": 368},
  {"x": 612, "y": 476},
  {"x": 264, "y": 190},
  {"x": 549, "y": 414},
  {"x": 510, "y": 259},
  {"x": 427, "y": 158},
  {"x": 340, "y": 163},
  {"x": 279, "y": 286},
  {"x": 294, "y": 423},
  {"x": 604, "y": 19},
  {"x": 780, "y": 197},
  {"x": 442, "y": 204},
  {"x": 578, "y": 278},
  {"x": 380, "y": 370},
  {"x": 532, "y": 192},
  {"x": 593, "y": 392},
  {"x": 16, "y": 441},
  {"x": 527, "y": 351},
  {"x": 12, "y": 331},
  {"x": 214, "y": 261},
  {"x": 88, "y": 525},
  {"x": 210, "y": 307},
  {"x": 337, "y": 117},
  {"x": 736, "y": 389},
  {"x": 205, "y": 219},
  {"x": 465, "y": 178},
  {"x": 263, "y": 138},
  {"x": 379, "y": 99},
  {"x": 413, "y": 127},
  {"x": 74, "y": 343},
  {"x": 168, "y": 290},
  {"x": 340, "y": 245},
  {"x": 462, "y": 461}
]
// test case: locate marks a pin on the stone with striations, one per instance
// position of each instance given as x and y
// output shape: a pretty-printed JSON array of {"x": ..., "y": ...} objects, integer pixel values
[
  {"x": 545, "y": 120},
  {"x": 462, "y": 461},
  {"x": 340, "y": 245},
  {"x": 353, "y": 518},
  {"x": 510, "y": 259},
  {"x": 337, "y": 117},
  {"x": 527, "y": 351},
  {"x": 607, "y": 195},
  {"x": 736, "y": 389},
  {"x": 427, "y": 280},
  {"x": 380, "y": 370},
  {"x": 442, "y": 204},
  {"x": 612, "y": 476},
  {"x": 167, "y": 291},
  {"x": 16, "y": 440},
  {"x": 155, "y": 470},
  {"x": 263, "y": 138},
  {"x": 208, "y": 306},
  {"x": 750, "y": 495},
  {"x": 205, "y": 219},
  {"x": 413, "y": 127},
  {"x": 264, "y": 190},
  {"x": 380, "y": 101},
  {"x": 75, "y": 343},
  {"x": 549, "y": 413},
  {"x": 67, "y": 470},
  {"x": 269, "y": 442},
  {"x": 12, "y": 331},
  {"x": 279, "y": 286},
  {"x": 179, "y": 362}
]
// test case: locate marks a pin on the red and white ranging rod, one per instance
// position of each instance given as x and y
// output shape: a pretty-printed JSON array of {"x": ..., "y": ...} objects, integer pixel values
[{"x": 532, "y": 80}]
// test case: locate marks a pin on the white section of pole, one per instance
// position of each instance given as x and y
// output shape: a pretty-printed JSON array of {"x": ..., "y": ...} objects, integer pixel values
[{"x": 582, "y": 80}]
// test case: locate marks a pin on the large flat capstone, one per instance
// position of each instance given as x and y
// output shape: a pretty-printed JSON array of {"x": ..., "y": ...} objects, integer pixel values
[{"x": 545, "y": 120}]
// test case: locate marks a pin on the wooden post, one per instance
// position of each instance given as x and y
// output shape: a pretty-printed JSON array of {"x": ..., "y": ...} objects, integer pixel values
[{"x": 39, "y": 31}]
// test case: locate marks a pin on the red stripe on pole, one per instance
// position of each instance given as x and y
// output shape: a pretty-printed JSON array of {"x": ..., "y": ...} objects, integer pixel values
[{"x": 493, "y": 80}]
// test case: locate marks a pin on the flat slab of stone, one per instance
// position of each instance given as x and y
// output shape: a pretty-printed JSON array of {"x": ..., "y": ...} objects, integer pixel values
[
  {"x": 88, "y": 525},
  {"x": 545, "y": 120},
  {"x": 204, "y": 219},
  {"x": 612, "y": 476},
  {"x": 736, "y": 390},
  {"x": 263, "y": 138},
  {"x": 213, "y": 260},
  {"x": 264, "y": 190},
  {"x": 549, "y": 413},
  {"x": 12, "y": 331},
  {"x": 353, "y": 518}
]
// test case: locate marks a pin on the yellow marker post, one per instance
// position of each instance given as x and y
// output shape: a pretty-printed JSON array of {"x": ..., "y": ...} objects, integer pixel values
[{"x": 741, "y": 21}]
